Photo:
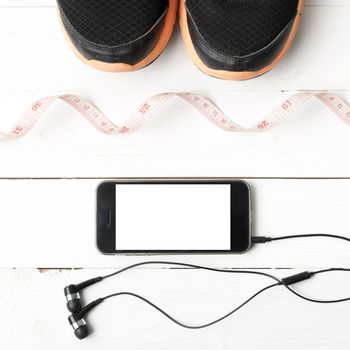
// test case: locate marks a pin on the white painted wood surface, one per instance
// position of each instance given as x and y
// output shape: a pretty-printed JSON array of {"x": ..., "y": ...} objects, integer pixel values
[
  {"x": 47, "y": 219},
  {"x": 36, "y": 318},
  {"x": 37, "y": 61},
  {"x": 58, "y": 228}
]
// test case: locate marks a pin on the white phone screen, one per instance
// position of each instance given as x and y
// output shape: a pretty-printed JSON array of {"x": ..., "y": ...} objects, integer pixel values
[{"x": 173, "y": 217}]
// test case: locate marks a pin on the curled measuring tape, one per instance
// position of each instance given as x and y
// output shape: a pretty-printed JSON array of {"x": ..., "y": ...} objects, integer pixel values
[{"x": 148, "y": 110}]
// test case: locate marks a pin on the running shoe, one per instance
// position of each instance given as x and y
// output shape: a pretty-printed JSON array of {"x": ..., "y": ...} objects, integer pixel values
[
  {"x": 118, "y": 35},
  {"x": 239, "y": 39}
]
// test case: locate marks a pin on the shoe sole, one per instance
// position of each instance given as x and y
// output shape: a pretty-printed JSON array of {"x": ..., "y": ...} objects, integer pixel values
[
  {"x": 228, "y": 75},
  {"x": 152, "y": 56}
]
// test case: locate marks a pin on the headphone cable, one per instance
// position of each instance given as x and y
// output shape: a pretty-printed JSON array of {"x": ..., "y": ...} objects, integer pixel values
[
  {"x": 263, "y": 239},
  {"x": 286, "y": 282},
  {"x": 184, "y": 325},
  {"x": 199, "y": 267}
]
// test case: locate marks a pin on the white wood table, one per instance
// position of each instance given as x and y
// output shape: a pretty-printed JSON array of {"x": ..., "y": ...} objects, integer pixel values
[{"x": 299, "y": 173}]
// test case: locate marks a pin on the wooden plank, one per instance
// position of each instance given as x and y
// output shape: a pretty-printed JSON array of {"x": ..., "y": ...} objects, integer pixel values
[
  {"x": 47, "y": 52},
  {"x": 179, "y": 143},
  {"x": 51, "y": 223},
  {"x": 36, "y": 317}
]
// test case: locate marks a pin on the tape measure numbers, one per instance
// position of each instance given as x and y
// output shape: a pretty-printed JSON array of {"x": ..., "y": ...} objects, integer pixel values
[{"x": 150, "y": 108}]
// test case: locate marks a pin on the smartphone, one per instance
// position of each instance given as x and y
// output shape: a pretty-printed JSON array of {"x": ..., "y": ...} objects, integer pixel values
[{"x": 180, "y": 216}]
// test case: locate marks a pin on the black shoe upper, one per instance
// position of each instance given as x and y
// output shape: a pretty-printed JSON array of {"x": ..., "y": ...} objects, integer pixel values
[
  {"x": 113, "y": 31},
  {"x": 240, "y": 35}
]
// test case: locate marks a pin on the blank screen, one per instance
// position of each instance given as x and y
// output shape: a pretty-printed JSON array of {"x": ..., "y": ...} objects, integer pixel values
[{"x": 173, "y": 217}]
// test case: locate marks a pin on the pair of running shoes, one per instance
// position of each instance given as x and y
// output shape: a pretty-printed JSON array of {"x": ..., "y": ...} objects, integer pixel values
[{"x": 227, "y": 39}]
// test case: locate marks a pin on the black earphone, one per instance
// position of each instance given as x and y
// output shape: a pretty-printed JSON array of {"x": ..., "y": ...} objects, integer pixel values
[
  {"x": 78, "y": 312},
  {"x": 81, "y": 330},
  {"x": 72, "y": 293},
  {"x": 77, "y": 321}
]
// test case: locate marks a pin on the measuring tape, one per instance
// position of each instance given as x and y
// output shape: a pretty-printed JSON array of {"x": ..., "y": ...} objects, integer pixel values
[{"x": 148, "y": 110}]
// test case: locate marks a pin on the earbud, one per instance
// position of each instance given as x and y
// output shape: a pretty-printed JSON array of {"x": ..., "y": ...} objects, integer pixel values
[
  {"x": 73, "y": 296},
  {"x": 77, "y": 321},
  {"x": 79, "y": 325}
]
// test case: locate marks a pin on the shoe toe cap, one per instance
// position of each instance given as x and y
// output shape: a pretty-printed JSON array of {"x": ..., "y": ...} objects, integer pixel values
[
  {"x": 241, "y": 36},
  {"x": 113, "y": 31}
]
